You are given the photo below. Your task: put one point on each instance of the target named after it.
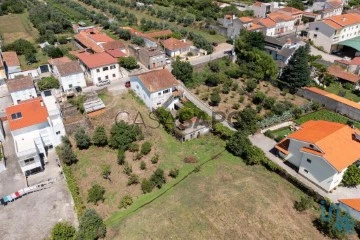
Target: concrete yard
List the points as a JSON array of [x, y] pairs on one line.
[[32, 216]]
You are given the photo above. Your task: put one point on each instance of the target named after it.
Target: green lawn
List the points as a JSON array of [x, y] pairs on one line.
[[326, 115], [40, 56], [336, 87], [281, 132]]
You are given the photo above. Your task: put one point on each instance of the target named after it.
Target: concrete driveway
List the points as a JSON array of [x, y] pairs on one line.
[[325, 56]]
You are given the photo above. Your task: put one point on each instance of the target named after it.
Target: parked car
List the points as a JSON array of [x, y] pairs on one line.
[[128, 84], [168, 61]]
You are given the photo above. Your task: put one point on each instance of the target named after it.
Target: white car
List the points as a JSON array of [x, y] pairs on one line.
[[168, 61]]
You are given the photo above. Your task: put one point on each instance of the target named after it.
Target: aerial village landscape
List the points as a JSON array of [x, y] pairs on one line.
[[179, 119]]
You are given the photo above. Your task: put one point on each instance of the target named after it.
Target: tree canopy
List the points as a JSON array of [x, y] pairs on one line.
[[122, 134], [48, 83], [182, 71], [91, 226], [62, 231]]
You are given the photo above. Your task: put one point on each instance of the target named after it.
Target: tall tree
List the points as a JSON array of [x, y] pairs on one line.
[[91, 226], [297, 73], [182, 71]]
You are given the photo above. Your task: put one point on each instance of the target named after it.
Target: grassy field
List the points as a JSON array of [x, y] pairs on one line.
[[281, 132], [327, 116], [225, 200], [16, 26], [336, 87]]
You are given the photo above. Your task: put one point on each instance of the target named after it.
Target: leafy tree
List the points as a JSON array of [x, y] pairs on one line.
[[165, 118], [252, 39], [128, 63], [106, 171], [155, 159], [127, 169], [67, 155], [142, 165], [146, 148], [215, 98], [259, 97], [251, 84], [91, 226], [99, 137], [133, 179], [48, 83], [351, 176], [124, 34], [158, 178], [304, 204], [296, 4], [185, 114], [62, 231], [238, 143], [133, 147], [222, 131], [30, 57], [82, 139], [212, 80], [138, 41], [297, 73], [121, 157], [147, 186], [174, 173], [96, 194], [53, 52], [123, 134], [20, 46], [183, 71], [247, 120], [269, 102], [125, 201], [214, 66]]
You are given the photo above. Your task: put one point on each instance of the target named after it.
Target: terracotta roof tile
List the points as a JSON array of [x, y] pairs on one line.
[[332, 24], [32, 111], [20, 83], [339, 72], [88, 43], [158, 34], [174, 44], [96, 60], [267, 22], [69, 68], [116, 53], [57, 61], [11, 59], [293, 11], [335, 140], [118, 44], [279, 17], [343, 20], [246, 19], [158, 80], [354, 203]]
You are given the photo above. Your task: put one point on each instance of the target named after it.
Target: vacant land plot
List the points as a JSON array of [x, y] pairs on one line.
[[225, 200], [17, 26]]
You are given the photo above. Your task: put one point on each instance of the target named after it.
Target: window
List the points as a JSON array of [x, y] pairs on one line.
[[29, 161], [159, 93], [112, 67], [58, 132], [105, 68], [106, 77], [99, 78], [316, 29], [166, 91], [158, 103], [97, 70], [70, 85], [16, 115], [137, 86], [306, 171], [114, 75], [308, 160], [311, 145], [315, 35]]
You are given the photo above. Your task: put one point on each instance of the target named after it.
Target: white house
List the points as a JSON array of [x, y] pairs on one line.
[[100, 68], [174, 47], [70, 75], [352, 206], [322, 151], [35, 126], [11, 63], [21, 88], [335, 32], [156, 88], [283, 23], [262, 9]]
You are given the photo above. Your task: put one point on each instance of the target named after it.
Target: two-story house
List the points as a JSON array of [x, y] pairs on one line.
[[261, 9], [322, 151], [333, 33], [283, 23], [36, 127], [99, 68], [21, 89], [292, 12], [70, 75], [157, 88], [150, 58], [92, 39], [11, 63]]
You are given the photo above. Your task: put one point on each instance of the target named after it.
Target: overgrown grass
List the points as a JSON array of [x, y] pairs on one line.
[[336, 87]]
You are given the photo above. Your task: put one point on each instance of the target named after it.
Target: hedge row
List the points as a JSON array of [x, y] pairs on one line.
[[74, 190]]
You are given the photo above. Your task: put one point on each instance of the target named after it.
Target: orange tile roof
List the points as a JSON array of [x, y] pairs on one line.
[[117, 44], [267, 22], [57, 61], [293, 11], [174, 44], [311, 151], [11, 59], [354, 203], [100, 37], [158, 34], [246, 19], [334, 97], [97, 59], [158, 80], [116, 53], [283, 146], [343, 20], [335, 140], [32, 111], [88, 43], [354, 61], [20, 83], [339, 72], [279, 17], [254, 26], [258, 4]]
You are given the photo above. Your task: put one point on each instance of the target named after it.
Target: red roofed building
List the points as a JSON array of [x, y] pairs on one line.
[[338, 72], [292, 12], [100, 68], [11, 63], [352, 65], [35, 126], [92, 39], [174, 47], [322, 151]]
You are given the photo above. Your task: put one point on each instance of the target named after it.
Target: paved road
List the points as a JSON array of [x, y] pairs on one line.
[[267, 145], [218, 53], [325, 56]]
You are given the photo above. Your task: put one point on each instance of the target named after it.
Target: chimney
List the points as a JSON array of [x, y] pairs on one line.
[[41, 102]]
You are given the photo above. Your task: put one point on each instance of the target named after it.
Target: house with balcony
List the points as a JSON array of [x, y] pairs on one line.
[[100, 68], [333, 33], [321, 151], [157, 88], [21, 89], [36, 126]]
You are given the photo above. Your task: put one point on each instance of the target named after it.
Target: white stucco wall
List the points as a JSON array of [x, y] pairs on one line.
[[71, 81], [95, 73], [22, 95]]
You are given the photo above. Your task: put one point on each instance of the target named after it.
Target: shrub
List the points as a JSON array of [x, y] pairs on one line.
[[252, 155], [138, 156], [123, 134], [190, 159], [62, 231], [99, 137], [133, 179], [128, 63], [125, 201], [91, 226], [215, 98], [155, 159], [351, 176], [222, 131], [269, 134], [236, 106], [147, 186], [146, 148], [66, 154], [82, 139], [106, 171], [158, 178], [212, 80], [133, 147], [305, 203], [142, 165], [242, 98], [251, 85], [53, 52], [259, 97], [185, 114], [121, 157], [48, 83], [138, 41], [238, 143], [174, 173], [127, 169], [96, 194]]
